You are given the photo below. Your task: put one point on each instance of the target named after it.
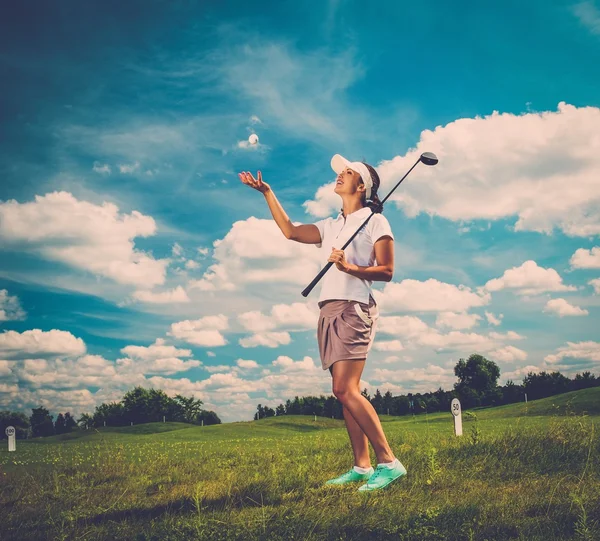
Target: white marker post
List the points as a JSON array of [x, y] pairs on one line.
[[456, 412], [12, 440]]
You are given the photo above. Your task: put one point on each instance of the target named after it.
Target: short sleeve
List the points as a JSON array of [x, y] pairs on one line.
[[380, 227], [321, 227]]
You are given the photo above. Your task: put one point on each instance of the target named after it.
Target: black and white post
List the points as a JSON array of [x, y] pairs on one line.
[[456, 413], [12, 439]]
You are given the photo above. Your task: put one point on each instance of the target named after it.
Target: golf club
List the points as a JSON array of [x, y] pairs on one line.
[[428, 158]]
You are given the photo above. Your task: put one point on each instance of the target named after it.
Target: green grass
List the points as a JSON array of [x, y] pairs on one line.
[[518, 472]]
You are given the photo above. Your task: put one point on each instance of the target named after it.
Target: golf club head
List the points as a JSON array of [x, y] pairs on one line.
[[429, 158]]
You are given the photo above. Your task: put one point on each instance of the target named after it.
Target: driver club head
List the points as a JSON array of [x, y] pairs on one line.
[[429, 158]]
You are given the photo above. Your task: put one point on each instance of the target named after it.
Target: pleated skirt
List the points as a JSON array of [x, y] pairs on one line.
[[345, 330]]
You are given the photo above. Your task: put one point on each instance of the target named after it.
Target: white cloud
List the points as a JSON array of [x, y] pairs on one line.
[[177, 294], [245, 363], [177, 250], [562, 308], [507, 354], [191, 264], [595, 283], [287, 364], [266, 339], [290, 317], [205, 331], [40, 343], [574, 357], [517, 375], [95, 238], [457, 320], [10, 307], [254, 252], [500, 166], [416, 379], [529, 279], [391, 345], [588, 15], [586, 259], [102, 168], [492, 319], [128, 168], [428, 296]]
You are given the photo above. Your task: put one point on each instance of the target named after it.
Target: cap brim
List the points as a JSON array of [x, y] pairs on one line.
[[339, 163]]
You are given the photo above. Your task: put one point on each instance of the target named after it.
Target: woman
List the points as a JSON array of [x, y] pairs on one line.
[[346, 327]]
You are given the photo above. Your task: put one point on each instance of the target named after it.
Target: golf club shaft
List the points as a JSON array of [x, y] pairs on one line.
[[318, 277]]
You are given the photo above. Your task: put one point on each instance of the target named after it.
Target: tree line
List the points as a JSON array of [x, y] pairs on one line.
[[477, 386], [137, 406]]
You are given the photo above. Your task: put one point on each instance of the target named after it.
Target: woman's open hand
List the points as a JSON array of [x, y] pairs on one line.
[[256, 183]]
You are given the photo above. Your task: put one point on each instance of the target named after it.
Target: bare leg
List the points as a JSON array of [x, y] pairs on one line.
[[346, 387], [358, 439]]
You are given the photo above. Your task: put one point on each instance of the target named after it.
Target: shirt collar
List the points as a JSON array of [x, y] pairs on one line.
[[360, 213]]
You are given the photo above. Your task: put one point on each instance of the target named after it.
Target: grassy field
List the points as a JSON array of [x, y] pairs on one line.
[[518, 472]]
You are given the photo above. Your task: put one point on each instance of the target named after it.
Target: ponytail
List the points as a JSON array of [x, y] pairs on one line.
[[374, 202]]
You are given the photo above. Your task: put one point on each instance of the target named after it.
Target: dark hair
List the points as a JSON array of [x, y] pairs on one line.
[[373, 203]]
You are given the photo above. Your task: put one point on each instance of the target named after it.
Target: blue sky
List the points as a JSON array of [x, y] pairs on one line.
[[131, 254]]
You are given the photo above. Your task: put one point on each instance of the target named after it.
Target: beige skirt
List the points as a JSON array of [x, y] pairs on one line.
[[346, 330]]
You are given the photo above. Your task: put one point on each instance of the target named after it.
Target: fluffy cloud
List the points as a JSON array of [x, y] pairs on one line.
[[94, 238], [573, 358], [205, 331], [499, 166], [177, 294], [10, 307], [416, 379], [297, 316], [529, 279], [428, 296], [507, 354], [586, 259], [157, 358], [457, 321], [492, 319], [266, 339], [256, 252], [595, 283], [562, 308], [40, 343]]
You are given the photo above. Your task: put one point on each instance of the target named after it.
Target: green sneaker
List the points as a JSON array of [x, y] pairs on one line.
[[350, 477], [383, 477]]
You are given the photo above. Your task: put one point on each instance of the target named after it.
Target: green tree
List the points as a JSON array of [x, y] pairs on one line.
[[18, 420], [59, 424], [41, 422], [477, 373], [70, 423]]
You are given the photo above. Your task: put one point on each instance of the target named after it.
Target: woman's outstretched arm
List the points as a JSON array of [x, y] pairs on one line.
[[306, 233]]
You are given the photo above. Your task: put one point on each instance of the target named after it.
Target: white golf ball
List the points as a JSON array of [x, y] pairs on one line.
[[253, 139]]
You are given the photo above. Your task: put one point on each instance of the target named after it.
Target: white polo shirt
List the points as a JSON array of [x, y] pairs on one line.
[[334, 233]]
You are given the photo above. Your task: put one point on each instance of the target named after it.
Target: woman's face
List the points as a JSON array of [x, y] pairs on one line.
[[348, 183]]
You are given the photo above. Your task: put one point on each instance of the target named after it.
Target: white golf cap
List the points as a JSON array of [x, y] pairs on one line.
[[339, 163]]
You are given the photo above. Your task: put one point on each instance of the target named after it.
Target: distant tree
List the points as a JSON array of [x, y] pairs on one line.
[[190, 407], [366, 394], [544, 384], [209, 418], [377, 402], [113, 414], [59, 424], [41, 422], [136, 405], [477, 373], [387, 402], [280, 410], [18, 420], [511, 393], [70, 423], [85, 421], [583, 381]]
